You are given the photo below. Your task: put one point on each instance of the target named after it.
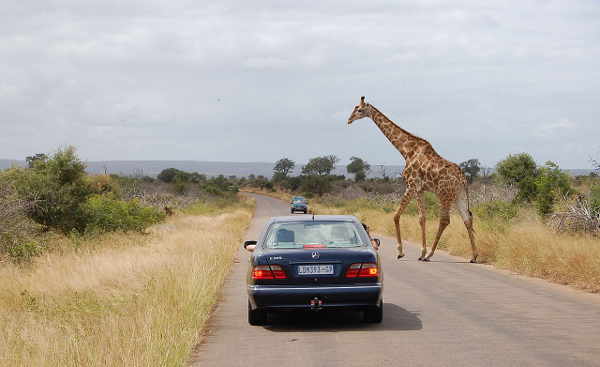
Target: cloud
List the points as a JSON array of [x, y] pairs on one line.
[[235, 80], [556, 129]]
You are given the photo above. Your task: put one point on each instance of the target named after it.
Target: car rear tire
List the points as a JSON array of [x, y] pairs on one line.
[[306, 211], [375, 314], [292, 211], [256, 317]]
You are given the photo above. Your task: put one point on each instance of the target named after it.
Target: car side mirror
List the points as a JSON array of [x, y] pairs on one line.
[[376, 243], [250, 246]]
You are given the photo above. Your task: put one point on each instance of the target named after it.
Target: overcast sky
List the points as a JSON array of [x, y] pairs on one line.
[[260, 80]]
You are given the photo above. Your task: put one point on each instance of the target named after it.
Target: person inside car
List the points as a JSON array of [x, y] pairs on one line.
[[374, 242]]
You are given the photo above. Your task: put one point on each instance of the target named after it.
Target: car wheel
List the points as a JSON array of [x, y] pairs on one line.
[[306, 211], [256, 317], [375, 314], [292, 211]]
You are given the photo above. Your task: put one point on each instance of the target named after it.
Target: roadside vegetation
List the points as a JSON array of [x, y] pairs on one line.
[[532, 219], [53, 203], [107, 270]]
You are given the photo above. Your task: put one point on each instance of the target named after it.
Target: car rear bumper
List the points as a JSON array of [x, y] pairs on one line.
[[275, 297]]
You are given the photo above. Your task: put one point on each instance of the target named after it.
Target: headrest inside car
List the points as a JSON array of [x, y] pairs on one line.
[[284, 235]]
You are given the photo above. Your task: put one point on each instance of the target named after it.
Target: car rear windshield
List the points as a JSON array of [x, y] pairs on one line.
[[329, 234]]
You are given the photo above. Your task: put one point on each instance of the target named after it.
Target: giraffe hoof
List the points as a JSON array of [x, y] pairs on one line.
[[473, 261], [425, 259], [421, 258], [400, 256]]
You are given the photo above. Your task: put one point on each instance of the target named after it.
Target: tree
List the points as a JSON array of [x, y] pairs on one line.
[[471, 169], [282, 168], [550, 183], [56, 190], [168, 174], [359, 168], [320, 166], [32, 160], [519, 170]]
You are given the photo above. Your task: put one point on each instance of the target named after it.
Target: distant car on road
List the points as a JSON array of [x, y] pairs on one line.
[[299, 204], [314, 263]]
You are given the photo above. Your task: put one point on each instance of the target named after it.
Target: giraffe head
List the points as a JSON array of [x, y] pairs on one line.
[[360, 111]]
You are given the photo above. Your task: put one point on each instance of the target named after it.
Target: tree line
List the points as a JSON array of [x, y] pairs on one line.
[[538, 185]]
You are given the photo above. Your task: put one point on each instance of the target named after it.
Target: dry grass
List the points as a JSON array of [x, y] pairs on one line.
[[526, 246], [138, 302]]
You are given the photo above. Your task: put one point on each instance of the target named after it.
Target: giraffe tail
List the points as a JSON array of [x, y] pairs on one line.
[[469, 207]]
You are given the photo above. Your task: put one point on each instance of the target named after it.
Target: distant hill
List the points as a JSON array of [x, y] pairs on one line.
[[240, 169]]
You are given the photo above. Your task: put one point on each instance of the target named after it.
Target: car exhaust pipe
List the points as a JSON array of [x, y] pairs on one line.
[[316, 304]]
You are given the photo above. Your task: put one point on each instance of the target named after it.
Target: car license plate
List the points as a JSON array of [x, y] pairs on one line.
[[315, 269]]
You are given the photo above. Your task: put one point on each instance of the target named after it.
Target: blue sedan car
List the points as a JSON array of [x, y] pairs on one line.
[[314, 263], [299, 204]]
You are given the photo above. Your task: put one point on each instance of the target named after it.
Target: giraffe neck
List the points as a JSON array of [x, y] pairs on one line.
[[405, 142]]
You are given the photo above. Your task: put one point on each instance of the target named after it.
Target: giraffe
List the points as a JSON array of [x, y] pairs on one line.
[[425, 170]]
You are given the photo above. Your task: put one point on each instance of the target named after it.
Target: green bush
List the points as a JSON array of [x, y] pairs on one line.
[[19, 249], [496, 210], [56, 187], [316, 185], [432, 205], [519, 170], [104, 213], [180, 187], [550, 184]]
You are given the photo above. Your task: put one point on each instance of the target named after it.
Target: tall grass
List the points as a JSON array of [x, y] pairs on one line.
[[138, 301], [523, 244]]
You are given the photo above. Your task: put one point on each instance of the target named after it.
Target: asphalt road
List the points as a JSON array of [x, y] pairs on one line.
[[443, 313]]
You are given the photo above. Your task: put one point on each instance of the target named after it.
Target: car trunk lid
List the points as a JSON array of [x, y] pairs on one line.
[[317, 265]]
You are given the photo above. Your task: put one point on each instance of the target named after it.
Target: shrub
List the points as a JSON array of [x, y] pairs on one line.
[[519, 170], [104, 213], [21, 250], [495, 210], [180, 187], [102, 184], [16, 229], [55, 188], [314, 184], [431, 202], [550, 184]]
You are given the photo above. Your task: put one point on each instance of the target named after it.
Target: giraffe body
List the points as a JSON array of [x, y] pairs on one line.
[[425, 170]]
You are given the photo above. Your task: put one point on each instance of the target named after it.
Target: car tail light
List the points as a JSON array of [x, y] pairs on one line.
[[268, 272], [362, 270], [368, 270], [353, 270], [278, 272]]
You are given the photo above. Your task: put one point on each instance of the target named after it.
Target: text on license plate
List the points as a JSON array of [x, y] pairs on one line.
[[315, 269]]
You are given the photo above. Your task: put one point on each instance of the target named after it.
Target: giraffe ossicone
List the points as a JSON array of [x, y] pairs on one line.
[[425, 170]]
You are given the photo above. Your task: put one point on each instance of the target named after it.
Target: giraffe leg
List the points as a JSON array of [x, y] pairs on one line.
[[467, 216], [444, 221], [403, 203], [422, 220]]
